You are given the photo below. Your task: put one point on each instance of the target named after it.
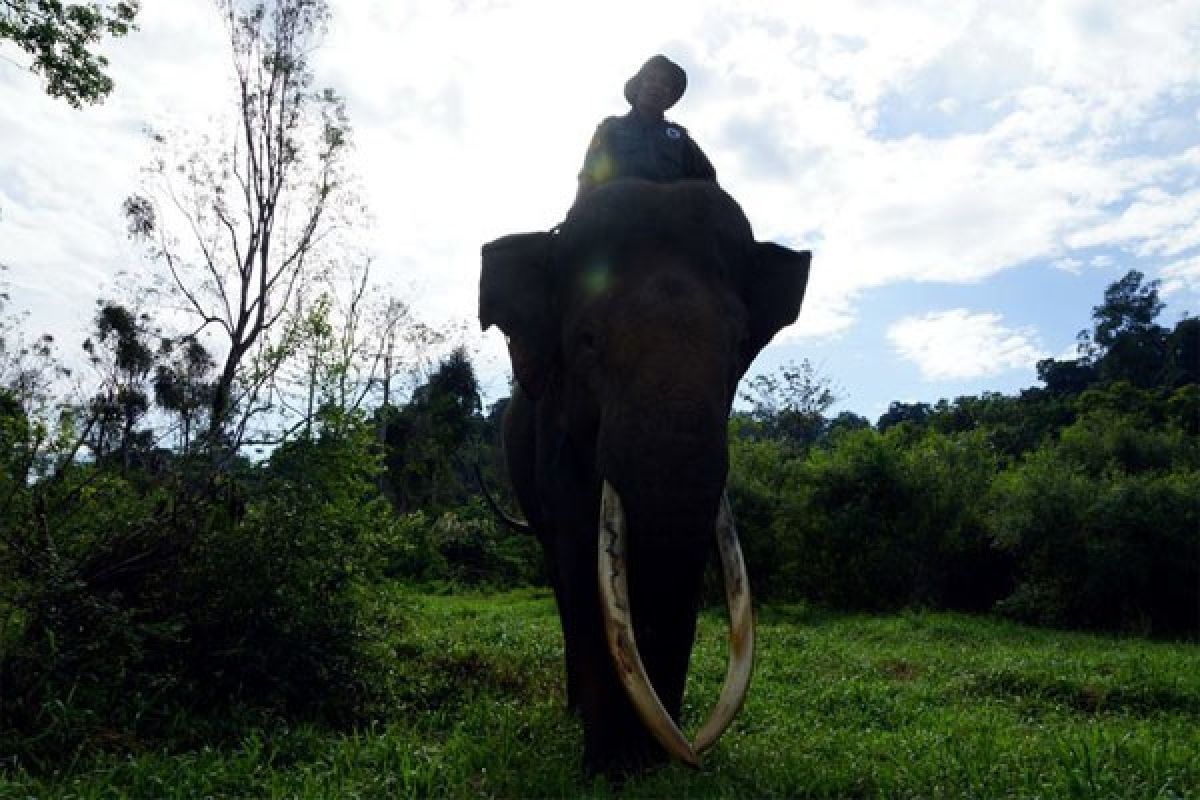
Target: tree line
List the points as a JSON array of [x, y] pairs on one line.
[[1069, 504]]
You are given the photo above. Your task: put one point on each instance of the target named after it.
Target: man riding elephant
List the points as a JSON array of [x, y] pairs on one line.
[[629, 326], [643, 143]]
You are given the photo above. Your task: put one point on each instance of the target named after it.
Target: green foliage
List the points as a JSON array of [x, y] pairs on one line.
[[433, 440], [1092, 523], [1129, 308], [182, 386], [129, 599], [886, 520], [758, 469], [1012, 425], [287, 632], [1072, 505], [1104, 523], [62, 38], [124, 355], [1127, 345], [899, 413], [465, 547]]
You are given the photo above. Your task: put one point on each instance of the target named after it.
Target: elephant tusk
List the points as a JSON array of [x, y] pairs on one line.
[[618, 627], [741, 631]]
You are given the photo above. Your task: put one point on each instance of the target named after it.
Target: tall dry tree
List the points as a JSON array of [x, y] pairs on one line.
[[242, 221]]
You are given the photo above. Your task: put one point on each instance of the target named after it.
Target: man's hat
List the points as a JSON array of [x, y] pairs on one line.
[[676, 73]]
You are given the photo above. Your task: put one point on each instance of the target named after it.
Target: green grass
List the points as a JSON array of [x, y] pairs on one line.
[[911, 705]]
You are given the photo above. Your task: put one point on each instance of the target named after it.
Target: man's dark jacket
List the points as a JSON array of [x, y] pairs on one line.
[[634, 147]]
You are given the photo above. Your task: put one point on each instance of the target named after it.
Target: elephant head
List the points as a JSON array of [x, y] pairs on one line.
[[629, 328]]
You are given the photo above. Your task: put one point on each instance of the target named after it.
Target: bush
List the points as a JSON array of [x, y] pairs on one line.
[[125, 601], [1105, 528], [757, 470], [464, 547], [287, 630], [873, 521]]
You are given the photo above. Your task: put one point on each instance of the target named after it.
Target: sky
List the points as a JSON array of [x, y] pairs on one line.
[[969, 176]]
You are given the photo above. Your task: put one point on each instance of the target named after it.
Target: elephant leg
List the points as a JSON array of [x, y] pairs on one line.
[[520, 454], [665, 587], [567, 620], [615, 740]]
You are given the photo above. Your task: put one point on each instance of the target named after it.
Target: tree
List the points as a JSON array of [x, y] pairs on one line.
[[426, 439], [1128, 307], [241, 226], [1066, 377], [62, 39], [348, 346], [1183, 354], [29, 368], [126, 359], [1125, 344], [898, 412], [844, 422], [792, 404], [182, 385]]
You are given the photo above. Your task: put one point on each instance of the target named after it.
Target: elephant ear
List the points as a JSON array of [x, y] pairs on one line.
[[773, 292], [514, 294]]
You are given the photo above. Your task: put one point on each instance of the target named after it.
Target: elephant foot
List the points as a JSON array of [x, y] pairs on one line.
[[618, 758], [617, 769]]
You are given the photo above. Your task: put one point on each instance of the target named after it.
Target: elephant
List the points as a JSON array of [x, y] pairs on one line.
[[629, 327]]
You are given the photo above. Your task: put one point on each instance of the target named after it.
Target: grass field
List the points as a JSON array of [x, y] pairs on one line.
[[911, 705]]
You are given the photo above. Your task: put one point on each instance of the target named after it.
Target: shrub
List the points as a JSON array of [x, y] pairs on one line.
[[1105, 528], [885, 520], [464, 547], [757, 469], [127, 600]]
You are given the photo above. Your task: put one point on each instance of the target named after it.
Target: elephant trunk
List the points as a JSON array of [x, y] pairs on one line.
[[615, 567], [669, 469], [662, 504]]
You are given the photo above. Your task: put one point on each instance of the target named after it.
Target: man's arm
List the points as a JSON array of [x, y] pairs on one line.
[[597, 163], [699, 168]]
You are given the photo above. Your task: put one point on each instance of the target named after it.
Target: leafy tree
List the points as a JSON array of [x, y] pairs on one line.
[[844, 422], [884, 520], [1013, 425], [1183, 354], [240, 229], [29, 368], [1130, 307], [62, 38], [1066, 378], [121, 349], [792, 404], [1125, 343], [898, 412], [430, 441], [183, 386]]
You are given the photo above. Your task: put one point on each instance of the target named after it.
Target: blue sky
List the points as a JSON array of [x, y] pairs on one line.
[[970, 176]]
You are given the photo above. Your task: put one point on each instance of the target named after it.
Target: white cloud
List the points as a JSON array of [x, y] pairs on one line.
[[1181, 276], [954, 344], [471, 120], [1156, 222], [1071, 265]]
